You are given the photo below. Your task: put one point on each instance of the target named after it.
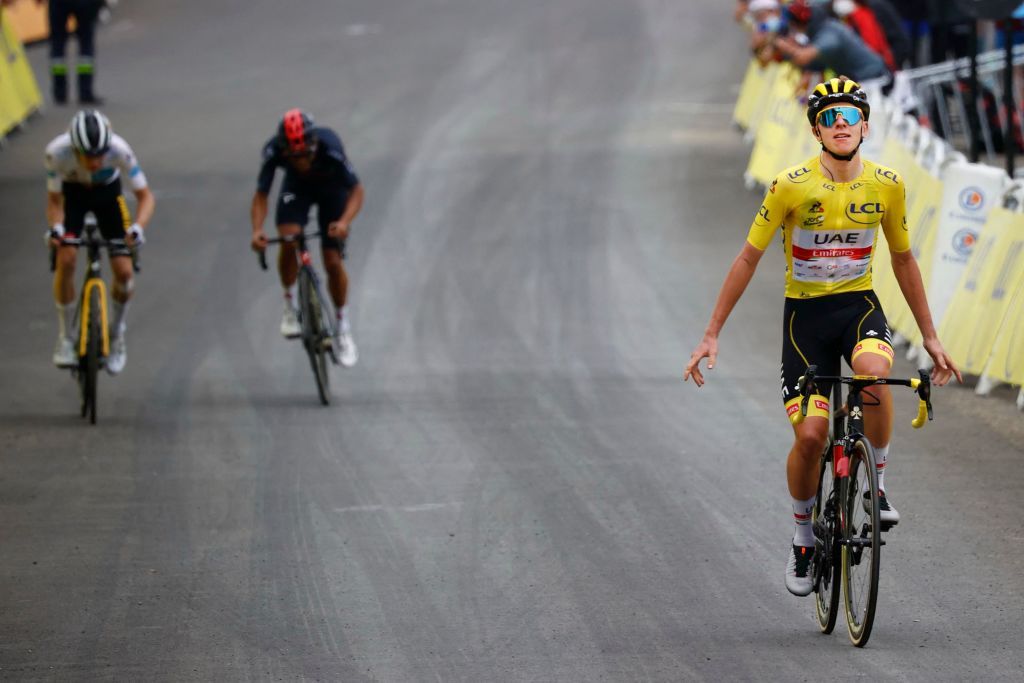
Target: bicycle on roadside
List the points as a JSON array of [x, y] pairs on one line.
[[316, 322], [92, 319], [845, 519]]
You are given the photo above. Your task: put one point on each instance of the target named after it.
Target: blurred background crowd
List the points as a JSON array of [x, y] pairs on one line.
[[908, 49]]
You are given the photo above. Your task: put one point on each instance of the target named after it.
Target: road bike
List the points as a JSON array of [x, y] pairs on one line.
[[92, 318], [314, 315], [847, 528]]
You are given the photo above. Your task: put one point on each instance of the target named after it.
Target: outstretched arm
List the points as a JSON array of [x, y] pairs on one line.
[[908, 275], [735, 284]]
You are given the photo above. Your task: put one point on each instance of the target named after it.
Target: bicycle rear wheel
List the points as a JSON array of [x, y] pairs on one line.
[[861, 542], [826, 554], [313, 335]]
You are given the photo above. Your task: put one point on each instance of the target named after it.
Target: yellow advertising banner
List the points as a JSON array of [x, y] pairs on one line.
[[980, 302], [19, 93], [1002, 328], [775, 146], [750, 94]]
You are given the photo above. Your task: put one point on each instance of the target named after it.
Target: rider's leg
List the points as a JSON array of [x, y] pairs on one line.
[[878, 406], [64, 288], [121, 292], [287, 262], [337, 277], [802, 473]]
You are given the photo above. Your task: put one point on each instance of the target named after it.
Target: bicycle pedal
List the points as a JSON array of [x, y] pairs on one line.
[[886, 526]]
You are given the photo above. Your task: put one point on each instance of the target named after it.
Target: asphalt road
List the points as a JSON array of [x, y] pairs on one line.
[[514, 483]]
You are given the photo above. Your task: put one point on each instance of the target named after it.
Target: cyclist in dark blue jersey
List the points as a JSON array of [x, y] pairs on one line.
[[317, 172]]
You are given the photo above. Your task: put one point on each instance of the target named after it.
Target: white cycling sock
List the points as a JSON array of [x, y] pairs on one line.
[[120, 310], [804, 533], [342, 314], [289, 298], [65, 319], [881, 457]]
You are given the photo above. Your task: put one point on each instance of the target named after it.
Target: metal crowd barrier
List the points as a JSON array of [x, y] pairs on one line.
[[940, 91]]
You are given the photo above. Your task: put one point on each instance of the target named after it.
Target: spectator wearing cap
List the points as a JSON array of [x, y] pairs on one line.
[[766, 20], [831, 45]]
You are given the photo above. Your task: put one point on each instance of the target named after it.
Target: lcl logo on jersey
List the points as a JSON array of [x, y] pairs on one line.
[[971, 198], [762, 216], [887, 177], [868, 213], [800, 175]]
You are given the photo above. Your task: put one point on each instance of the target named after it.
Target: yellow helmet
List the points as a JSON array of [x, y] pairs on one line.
[[833, 91]]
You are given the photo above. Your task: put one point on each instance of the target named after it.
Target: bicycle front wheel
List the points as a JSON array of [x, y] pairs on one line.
[[90, 363], [861, 542], [314, 335], [826, 553]]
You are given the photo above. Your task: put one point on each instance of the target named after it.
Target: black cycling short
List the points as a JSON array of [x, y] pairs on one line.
[[105, 202], [822, 330], [295, 200]]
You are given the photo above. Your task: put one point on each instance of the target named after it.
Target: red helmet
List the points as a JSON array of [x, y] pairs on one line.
[[296, 134]]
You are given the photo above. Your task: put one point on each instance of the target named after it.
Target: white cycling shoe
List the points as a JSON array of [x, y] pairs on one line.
[[798, 570], [64, 354], [348, 354], [887, 514], [290, 327], [118, 355]]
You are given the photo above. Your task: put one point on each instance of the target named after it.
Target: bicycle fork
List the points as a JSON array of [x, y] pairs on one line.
[[848, 537]]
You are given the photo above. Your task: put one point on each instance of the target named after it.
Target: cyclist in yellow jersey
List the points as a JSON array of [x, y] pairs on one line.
[[830, 210]]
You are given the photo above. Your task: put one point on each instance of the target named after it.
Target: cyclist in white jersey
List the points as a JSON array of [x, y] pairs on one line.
[[84, 168]]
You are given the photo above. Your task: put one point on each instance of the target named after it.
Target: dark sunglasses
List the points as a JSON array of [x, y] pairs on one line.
[[828, 118]]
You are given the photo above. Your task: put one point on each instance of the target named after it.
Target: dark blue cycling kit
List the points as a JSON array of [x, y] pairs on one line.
[[328, 184]]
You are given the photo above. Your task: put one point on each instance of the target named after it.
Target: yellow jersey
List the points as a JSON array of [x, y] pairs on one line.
[[830, 229]]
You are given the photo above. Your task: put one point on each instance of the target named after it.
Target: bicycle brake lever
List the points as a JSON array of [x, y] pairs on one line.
[[924, 406], [263, 258]]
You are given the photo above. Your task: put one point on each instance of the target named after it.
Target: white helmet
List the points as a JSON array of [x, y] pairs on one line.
[[90, 133]]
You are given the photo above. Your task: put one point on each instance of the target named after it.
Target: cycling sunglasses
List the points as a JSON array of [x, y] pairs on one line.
[[852, 116]]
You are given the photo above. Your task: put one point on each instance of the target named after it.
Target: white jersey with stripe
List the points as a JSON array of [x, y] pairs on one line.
[[62, 165]]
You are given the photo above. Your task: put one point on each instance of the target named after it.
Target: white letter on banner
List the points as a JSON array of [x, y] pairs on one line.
[[969, 192]]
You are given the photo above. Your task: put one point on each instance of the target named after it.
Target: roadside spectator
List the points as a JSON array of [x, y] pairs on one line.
[[895, 32], [831, 45], [766, 19], [85, 13], [740, 12], [861, 19]]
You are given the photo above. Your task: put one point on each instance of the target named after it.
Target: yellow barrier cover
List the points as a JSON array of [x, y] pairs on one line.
[[1007, 360], [981, 300], [19, 93]]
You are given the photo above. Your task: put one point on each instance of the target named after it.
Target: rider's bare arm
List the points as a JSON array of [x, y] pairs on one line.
[[258, 214], [146, 206], [908, 275], [736, 281], [354, 204], [54, 208]]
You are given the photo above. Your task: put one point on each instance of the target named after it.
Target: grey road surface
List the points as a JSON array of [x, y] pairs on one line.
[[514, 484]]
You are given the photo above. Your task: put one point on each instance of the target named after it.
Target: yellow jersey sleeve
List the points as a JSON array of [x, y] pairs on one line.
[[894, 221], [771, 214]]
